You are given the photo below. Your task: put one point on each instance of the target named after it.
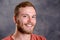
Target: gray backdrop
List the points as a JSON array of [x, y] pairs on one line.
[[48, 18]]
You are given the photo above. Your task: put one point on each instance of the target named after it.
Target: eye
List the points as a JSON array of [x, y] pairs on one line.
[[33, 16], [24, 16]]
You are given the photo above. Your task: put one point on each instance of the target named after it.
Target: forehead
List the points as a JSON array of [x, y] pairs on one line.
[[27, 10]]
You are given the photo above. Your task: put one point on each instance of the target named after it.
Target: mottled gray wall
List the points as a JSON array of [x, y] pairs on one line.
[[48, 18]]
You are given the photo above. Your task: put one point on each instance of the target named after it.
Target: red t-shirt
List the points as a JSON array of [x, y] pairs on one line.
[[33, 37]]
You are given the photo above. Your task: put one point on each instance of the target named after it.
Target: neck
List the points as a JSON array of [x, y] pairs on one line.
[[19, 36]]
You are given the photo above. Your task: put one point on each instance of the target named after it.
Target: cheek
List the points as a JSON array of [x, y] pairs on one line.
[[34, 21], [23, 21]]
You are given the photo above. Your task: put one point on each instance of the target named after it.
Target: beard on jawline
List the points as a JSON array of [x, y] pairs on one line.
[[20, 29]]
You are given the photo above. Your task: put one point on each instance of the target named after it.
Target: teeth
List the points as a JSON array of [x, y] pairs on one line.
[[29, 25]]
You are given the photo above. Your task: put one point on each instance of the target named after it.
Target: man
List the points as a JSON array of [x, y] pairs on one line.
[[25, 20]]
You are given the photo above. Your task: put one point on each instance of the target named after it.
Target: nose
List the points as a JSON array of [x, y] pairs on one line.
[[29, 19]]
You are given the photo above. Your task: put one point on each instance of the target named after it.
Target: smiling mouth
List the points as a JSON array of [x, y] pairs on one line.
[[29, 25]]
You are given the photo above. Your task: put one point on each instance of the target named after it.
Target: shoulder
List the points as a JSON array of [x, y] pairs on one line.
[[38, 37], [7, 38]]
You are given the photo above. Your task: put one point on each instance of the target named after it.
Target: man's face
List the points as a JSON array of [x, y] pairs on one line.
[[26, 19]]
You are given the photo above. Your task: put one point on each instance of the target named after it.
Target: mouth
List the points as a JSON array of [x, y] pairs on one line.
[[29, 25]]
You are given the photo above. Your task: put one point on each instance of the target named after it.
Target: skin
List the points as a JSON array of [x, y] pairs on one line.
[[25, 23]]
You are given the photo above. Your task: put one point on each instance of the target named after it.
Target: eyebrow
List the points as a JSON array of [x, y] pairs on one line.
[[24, 14]]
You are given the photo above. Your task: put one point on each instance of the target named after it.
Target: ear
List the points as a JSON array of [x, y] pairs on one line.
[[14, 19]]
